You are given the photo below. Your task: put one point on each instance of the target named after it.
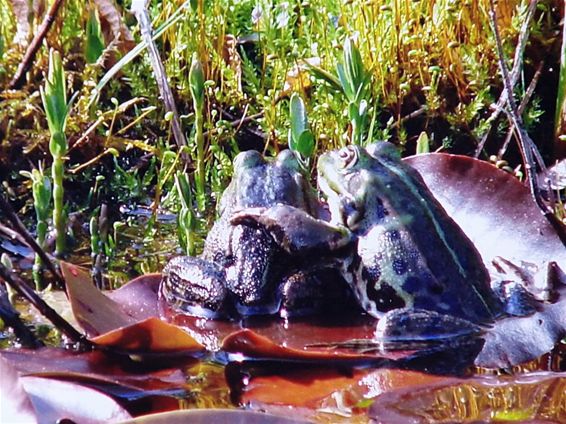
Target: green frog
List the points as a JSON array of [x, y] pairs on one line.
[[244, 270], [406, 252]]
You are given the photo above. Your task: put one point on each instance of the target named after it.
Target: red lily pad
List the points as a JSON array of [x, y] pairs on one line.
[[492, 207]]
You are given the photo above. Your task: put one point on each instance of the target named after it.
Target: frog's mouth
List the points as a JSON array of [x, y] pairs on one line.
[[344, 208]]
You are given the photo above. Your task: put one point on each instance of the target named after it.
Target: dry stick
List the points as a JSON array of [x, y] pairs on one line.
[[159, 72], [34, 46], [526, 144], [526, 99], [20, 228], [57, 320], [515, 72]]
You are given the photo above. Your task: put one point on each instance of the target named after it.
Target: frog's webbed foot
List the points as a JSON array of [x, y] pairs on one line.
[[317, 291], [294, 230], [523, 288], [408, 328], [195, 286]]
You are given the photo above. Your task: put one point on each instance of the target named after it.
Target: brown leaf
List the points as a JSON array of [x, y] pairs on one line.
[[95, 312], [151, 335], [307, 392], [138, 298], [113, 27], [24, 11]]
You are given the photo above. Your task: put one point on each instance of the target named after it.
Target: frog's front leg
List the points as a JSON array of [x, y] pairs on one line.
[[195, 286], [294, 230]]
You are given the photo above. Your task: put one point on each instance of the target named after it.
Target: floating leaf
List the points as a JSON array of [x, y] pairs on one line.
[[151, 335], [493, 208], [96, 313], [16, 404]]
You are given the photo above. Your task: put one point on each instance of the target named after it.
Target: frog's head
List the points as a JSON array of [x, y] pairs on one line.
[[349, 178]]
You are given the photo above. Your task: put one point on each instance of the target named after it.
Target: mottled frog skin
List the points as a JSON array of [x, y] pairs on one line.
[[411, 254], [243, 266]]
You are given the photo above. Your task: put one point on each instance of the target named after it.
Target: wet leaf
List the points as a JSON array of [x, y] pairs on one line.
[[96, 313], [516, 340], [253, 345], [493, 208], [150, 335], [55, 400], [317, 392], [206, 416], [15, 406], [138, 298]]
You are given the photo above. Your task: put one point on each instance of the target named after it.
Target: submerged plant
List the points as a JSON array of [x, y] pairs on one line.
[[54, 97]]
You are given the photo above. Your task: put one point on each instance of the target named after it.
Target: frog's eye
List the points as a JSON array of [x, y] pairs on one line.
[[348, 156]]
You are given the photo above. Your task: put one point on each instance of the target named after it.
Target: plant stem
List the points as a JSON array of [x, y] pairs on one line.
[[57, 174], [9, 212], [200, 177]]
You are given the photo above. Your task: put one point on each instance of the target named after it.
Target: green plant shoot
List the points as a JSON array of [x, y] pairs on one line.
[[186, 221], [41, 191], [423, 143], [196, 82], [54, 98], [354, 81], [94, 44], [301, 139]]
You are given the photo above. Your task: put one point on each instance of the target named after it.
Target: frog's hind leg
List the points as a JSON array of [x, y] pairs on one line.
[[194, 286], [403, 328]]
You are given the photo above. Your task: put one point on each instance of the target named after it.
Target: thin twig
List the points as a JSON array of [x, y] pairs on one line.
[[19, 227], [526, 99], [526, 144], [515, 72], [25, 64], [140, 11], [47, 311]]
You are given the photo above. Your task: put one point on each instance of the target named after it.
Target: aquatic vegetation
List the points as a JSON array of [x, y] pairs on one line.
[[41, 191], [54, 98]]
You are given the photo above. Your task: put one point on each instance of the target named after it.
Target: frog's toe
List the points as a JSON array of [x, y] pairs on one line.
[[194, 286], [419, 325], [517, 300]]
